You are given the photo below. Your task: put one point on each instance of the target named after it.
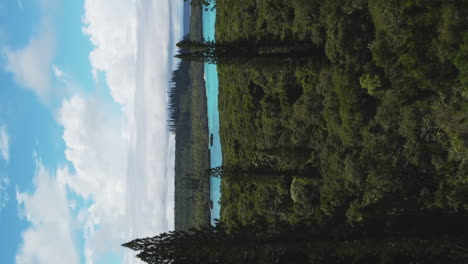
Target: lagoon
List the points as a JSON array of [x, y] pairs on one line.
[[211, 83]]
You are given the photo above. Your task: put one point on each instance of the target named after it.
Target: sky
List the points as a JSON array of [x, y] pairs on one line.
[[86, 159]]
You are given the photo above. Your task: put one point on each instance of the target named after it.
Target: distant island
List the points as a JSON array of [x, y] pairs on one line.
[[188, 120]]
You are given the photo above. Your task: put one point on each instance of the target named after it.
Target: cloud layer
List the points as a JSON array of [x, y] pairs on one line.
[[125, 165], [122, 157], [96, 147]]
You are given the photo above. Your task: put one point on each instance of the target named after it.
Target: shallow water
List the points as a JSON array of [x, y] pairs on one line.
[[211, 81]]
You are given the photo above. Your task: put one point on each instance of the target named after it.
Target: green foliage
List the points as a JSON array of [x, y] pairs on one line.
[[370, 83], [260, 242], [378, 119], [461, 62], [366, 139]]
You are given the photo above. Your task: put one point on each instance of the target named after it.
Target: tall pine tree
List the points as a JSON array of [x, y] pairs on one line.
[[243, 51]]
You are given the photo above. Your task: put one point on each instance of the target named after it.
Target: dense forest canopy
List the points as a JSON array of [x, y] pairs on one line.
[[379, 122], [382, 117]]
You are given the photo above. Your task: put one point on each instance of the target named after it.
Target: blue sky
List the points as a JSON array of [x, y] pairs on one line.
[[86, 161]]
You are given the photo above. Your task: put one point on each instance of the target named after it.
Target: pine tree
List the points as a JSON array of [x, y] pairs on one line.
[[242, 244], [243, 51], [330, 242]]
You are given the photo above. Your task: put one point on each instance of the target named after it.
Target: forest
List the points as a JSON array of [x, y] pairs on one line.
[[380, 120], [353, 143]]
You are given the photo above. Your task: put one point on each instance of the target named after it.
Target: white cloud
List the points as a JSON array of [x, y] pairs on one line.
[[49, 239], [4, 197], [31, 66], [125, 165], [127, 201], [20, 4], [96, 147], [123, 162], [111, 27], [159, 26], [4, 143]]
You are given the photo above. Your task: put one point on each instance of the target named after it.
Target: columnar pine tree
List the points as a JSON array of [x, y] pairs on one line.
[[209, 245], [242, 51], [282, 243]]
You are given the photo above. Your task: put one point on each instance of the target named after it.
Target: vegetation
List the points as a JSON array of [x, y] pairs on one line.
[[241, 51], [379, 121], [263, 243]]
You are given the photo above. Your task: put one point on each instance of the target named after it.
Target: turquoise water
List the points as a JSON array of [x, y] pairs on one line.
[[211, 82]]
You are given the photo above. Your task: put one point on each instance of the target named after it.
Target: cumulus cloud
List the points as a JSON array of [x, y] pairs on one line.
[[111, 27], [159, 25], [124, 162], [31, 66], [49, 239], [96, 148], [4, 197], [130, 192], [4, 143]]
